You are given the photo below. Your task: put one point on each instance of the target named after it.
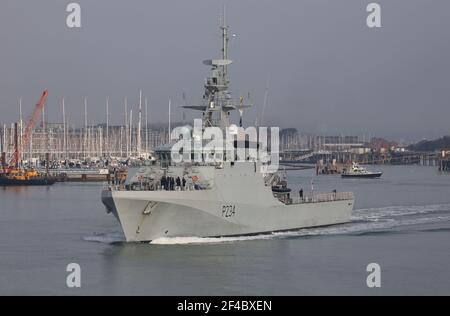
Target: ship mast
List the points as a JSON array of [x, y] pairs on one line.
[[225, 40], [139, 125], [217, 100]]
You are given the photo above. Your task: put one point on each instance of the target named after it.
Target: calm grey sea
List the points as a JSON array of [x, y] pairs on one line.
[[401, 222]]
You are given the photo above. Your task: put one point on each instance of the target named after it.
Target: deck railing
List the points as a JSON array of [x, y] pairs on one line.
[[147, 187], [321, 197]]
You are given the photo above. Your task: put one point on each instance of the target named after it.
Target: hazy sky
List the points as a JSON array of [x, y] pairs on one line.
[[328, 72]]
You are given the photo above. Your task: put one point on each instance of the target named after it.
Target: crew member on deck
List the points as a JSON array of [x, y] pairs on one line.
[[178, 181], [183, 181]]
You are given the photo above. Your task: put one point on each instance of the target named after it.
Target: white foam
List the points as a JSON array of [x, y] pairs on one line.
[[373, 214], [352, 228], [205, 240]]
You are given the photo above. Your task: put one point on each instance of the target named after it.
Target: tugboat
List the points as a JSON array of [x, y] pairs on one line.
[[356, 171], [18, 177]]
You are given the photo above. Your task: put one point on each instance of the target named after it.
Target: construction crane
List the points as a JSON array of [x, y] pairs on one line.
[[13, 163]]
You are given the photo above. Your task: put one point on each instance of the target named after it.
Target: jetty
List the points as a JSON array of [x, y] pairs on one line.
[[444, 161]]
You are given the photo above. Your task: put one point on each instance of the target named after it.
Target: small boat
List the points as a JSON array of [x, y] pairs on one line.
[[20, 177], [356, 171]]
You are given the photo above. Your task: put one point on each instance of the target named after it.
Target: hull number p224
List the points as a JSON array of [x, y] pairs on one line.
[[228, 210]]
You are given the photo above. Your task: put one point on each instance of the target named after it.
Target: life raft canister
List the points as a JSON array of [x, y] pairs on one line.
[[280, 189]]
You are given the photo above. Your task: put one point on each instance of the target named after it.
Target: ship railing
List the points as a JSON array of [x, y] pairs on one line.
[[147, 187], [321, 197]]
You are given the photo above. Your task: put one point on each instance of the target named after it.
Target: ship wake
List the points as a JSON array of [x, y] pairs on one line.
[[381, 220]]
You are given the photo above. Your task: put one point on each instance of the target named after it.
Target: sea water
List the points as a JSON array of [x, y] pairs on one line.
[[401, 222]]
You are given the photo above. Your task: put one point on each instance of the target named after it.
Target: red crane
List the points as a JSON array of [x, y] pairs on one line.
[[28, 129]]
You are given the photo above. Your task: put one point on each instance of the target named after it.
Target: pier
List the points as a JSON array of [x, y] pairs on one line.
[[444, 161], [334, 162], [84, 176], [445, 165]]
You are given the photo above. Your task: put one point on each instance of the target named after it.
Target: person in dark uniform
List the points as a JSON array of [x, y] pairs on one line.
[[163, 183], [178, 182], [183, 181], [301, 194]]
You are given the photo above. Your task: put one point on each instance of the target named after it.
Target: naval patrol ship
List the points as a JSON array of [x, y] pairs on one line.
[[230, 198]]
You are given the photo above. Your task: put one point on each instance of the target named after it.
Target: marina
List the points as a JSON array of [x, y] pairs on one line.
[[77, 153]]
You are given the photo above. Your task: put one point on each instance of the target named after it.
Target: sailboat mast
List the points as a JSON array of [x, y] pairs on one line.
[[85, 141], [139, 125], [20, 129], [64, 129], [146, 126], [107, 127], [131, 131], [43, 142], [126, 127]]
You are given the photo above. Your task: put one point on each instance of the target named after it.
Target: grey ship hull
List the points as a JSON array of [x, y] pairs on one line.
[[238, 204]]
